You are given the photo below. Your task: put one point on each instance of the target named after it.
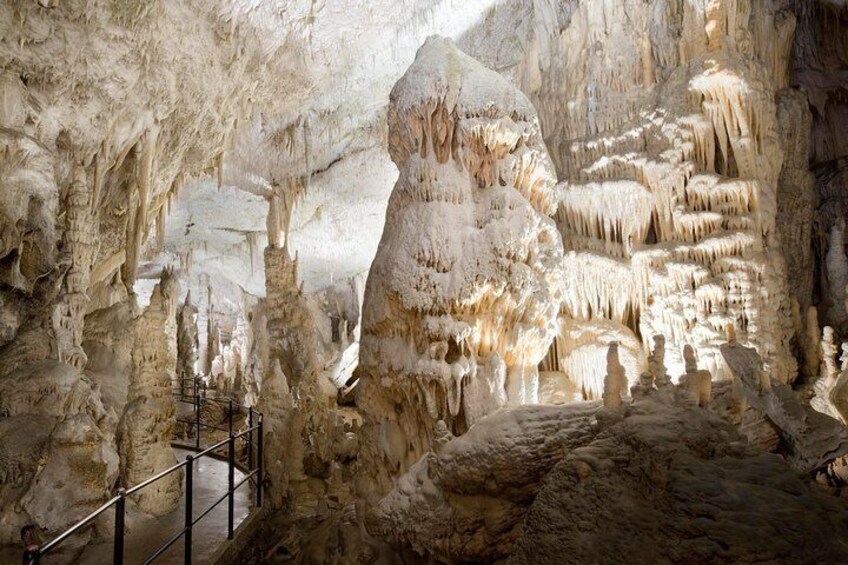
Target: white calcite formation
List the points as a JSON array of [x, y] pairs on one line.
[[105, 110], [292, 365], [147, 425], [662, 121], [462, 298], [283, 457]]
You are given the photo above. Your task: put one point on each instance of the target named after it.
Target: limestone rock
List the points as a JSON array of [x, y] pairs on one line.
[[662, 122], [810, 438], [57, 453], [188, 344], [466, 503], [663, 486]]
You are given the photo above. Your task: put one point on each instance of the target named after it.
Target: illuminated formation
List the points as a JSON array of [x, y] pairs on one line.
[[670, 159]]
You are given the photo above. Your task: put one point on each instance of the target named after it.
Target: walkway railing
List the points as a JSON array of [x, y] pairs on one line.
[[253, 470]]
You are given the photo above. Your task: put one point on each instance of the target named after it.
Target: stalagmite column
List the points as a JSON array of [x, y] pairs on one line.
[[615, 380], [656, 362], [283, 447], [812, 344], [292, 356], [147, 426], [837, 274], [462, 298], [69, 314], [187, 343], [829, 370], [824, 385], [796, 206], [697, 383]]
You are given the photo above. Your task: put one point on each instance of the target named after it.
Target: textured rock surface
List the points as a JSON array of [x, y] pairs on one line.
[[465, 502], [463, 294], [188, 343], [676, 484], [57, 449], [702, 153], [657, 478]]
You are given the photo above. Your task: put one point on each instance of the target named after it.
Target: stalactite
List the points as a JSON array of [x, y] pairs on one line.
[[669, 207]]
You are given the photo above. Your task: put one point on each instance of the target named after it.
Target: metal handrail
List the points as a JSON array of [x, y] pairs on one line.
[[79, 525], [119, 501]]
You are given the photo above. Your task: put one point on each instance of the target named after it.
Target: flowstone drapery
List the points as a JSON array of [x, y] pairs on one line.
[[668, 138]]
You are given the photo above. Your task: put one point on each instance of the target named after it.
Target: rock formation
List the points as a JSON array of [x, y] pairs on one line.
[[292, 360], [637, 358], [615, 380], [147, 425], [521, 483], [820, 65], [665, 134], [283, 429], [52, 426], [188, 343], [465, 502], [79, 241], [462, 298], [697, 383], [680, 495]]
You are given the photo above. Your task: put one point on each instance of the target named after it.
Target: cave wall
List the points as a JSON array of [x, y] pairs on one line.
[[106, 108]]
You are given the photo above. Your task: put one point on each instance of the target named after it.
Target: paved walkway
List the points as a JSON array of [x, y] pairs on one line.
[[146, 534]]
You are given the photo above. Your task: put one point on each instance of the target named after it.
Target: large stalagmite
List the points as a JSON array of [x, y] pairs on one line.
[[147, 426], [462, 298]]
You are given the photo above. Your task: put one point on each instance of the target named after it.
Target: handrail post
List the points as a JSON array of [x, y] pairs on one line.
[[250, 439], [231, 485], [197, 403], [230, 417], [120, 513], [259, 464], [189, 511]]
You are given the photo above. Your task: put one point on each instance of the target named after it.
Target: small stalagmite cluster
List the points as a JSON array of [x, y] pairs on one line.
[[462, 298]]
